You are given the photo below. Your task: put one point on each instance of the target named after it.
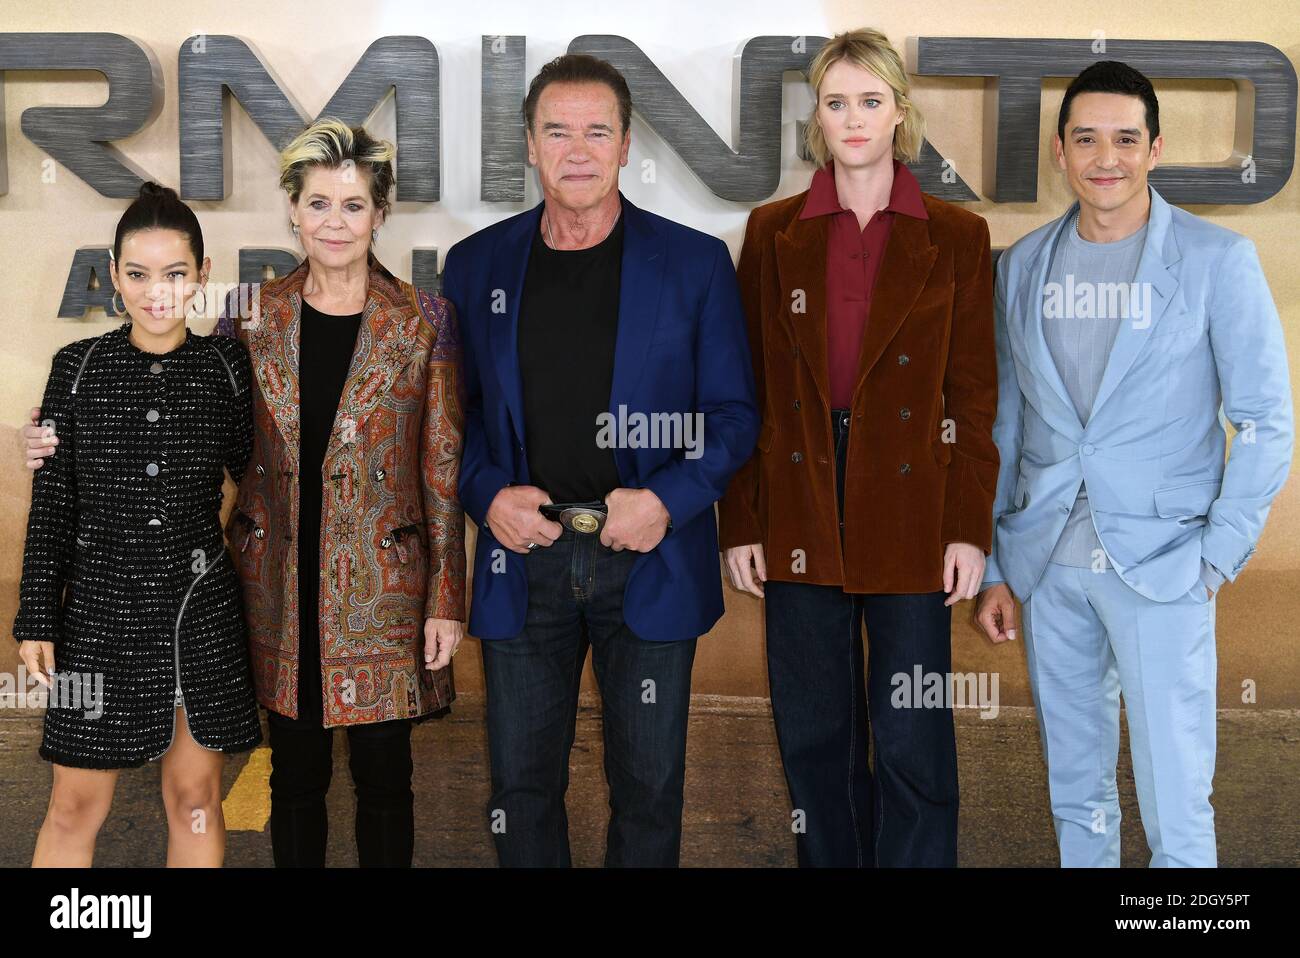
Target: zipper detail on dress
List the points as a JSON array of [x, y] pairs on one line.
[[176, 638], [233, 385], [82, 368]]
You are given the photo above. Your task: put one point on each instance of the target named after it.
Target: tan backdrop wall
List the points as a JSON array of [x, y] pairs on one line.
[[48, 212]]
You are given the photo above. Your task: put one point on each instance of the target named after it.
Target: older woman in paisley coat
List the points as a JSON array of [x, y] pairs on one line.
[[347, 532]]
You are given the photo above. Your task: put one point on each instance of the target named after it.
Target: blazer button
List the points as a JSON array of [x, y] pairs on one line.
[[796, 457], [379, 475], [796, 404], [905, 413], [259, 470], [151, 469], [905, 468], [903, 360], [259, 533], [151, 415], [386, 541]]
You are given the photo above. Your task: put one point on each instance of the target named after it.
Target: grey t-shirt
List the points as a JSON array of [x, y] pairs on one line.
[[1081, 317]]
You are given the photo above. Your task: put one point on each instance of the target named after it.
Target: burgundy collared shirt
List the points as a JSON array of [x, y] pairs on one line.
[[852, 260]]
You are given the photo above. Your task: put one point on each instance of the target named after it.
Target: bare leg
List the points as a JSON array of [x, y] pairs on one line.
[[191, 786], [79, 803]]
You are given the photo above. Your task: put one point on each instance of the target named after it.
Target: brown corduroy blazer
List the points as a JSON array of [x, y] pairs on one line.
[[922, 466]]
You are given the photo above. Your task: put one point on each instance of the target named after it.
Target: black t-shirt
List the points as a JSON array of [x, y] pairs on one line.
[[324, 356], [568, 325]]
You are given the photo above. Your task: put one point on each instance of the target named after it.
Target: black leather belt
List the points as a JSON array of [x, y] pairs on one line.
[[585, 517]]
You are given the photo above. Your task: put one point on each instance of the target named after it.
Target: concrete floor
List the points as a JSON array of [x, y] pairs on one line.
[[737, 810]]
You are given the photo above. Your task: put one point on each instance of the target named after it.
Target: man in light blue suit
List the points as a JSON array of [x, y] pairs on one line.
[[1121, 328]]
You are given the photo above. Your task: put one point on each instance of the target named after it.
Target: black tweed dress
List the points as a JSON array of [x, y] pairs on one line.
[[126, 568]]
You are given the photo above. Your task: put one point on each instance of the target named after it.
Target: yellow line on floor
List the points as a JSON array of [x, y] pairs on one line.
[[248, 806]]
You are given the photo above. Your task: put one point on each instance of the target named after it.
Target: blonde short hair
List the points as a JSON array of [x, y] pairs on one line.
[[331, 143], [871, 50]]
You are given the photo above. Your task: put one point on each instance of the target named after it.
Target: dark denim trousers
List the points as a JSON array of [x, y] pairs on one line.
[[575, 599], [903, 810]]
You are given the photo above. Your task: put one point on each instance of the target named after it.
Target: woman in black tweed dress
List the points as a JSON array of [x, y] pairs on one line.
[[130, 609]]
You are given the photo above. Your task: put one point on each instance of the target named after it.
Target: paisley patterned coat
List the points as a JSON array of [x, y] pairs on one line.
[[392, 531]]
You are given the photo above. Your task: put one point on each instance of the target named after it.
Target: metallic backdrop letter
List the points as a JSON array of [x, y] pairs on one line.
[[1267, 138], [79, 137], [408, 65]]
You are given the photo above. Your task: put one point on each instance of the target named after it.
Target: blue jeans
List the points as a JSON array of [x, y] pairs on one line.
[[575, 599], [905, 813]]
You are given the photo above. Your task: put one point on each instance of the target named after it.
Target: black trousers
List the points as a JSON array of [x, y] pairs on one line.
[[302, 763]]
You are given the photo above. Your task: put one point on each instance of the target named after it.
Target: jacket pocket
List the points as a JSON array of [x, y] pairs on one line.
[[404, 541], [242, 529], [1188, 499], [1020, 498]]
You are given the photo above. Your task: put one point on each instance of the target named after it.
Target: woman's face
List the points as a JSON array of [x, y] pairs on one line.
[[858, 113], [158, 279], [335, 215]]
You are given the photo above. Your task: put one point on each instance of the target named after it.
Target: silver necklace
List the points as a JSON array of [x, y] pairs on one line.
[[551, 239]]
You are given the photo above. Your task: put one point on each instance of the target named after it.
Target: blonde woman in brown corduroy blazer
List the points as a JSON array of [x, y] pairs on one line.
[[904, 436]]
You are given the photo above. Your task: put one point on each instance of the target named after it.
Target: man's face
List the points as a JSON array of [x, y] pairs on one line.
[[576, 143], [1107, 152]]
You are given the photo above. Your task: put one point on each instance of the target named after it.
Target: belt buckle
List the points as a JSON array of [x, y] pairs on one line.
[[582, 520]]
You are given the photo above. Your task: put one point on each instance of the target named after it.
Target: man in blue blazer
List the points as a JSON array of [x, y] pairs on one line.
[[1121, 328], [610, 399]]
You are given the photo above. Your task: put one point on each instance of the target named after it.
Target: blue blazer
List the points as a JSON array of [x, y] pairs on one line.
[[1152, 452], [681, 347]]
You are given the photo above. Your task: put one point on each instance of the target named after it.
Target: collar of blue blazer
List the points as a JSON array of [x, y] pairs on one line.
[[638, 303]]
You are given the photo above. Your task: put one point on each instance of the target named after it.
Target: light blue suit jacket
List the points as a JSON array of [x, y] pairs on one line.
[[1152, 452]]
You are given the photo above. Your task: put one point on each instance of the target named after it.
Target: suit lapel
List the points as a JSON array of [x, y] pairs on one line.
[[509, 267], [273, 350], [640, 282], [801, 267], [1032, 309], [385, 344], [902, 274], [1159, 253]]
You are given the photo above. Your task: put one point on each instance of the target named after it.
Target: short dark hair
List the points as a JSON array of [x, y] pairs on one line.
[[579, 68], [159, 208], [1112, 76]]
